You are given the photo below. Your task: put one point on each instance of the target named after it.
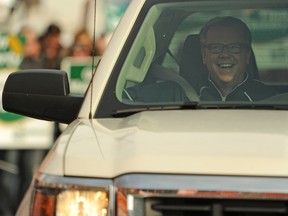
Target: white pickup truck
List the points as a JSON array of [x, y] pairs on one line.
[[142, 142]]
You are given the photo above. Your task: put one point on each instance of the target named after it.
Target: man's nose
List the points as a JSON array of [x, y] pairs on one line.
[[225, 53], [225, 50]]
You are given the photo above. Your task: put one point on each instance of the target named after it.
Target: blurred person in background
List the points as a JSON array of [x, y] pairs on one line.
[[82, 45], [29, 160], [44, 52], [32, 49], [52, 53], [101, 43], [51, 48]]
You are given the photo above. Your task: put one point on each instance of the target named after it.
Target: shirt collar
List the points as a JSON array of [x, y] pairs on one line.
[[235, 87]]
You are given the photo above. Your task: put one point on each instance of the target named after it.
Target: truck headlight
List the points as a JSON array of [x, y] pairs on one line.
[[76, 202], [63, 199]]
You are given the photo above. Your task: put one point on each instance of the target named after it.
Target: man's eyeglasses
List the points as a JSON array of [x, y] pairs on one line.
[[232, 48]]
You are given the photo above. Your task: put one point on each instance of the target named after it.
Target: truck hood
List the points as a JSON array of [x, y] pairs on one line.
[[217, 142]]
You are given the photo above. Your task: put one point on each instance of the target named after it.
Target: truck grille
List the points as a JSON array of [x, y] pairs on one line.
[[176, 206], [159, 195]]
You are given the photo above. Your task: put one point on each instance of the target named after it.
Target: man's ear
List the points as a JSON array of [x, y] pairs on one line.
[[203, 54]]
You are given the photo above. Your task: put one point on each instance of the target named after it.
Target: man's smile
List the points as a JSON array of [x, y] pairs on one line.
[[225, 65]]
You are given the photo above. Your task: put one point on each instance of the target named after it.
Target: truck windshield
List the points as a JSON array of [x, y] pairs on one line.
[[208, 52]]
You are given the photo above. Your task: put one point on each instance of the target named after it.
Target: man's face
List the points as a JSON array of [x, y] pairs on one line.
[[225, 67]]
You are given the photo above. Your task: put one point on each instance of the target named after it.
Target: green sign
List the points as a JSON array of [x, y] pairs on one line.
[[11, 50], [9, 117], [80, 71], [11, 56]]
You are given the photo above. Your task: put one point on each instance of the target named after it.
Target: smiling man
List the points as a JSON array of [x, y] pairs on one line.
[[226, 51]]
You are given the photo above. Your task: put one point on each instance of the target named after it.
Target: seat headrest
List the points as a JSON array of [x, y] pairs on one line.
[[191, 64]]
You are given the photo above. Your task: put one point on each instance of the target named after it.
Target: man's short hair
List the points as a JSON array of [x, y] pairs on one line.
[[227, 21]]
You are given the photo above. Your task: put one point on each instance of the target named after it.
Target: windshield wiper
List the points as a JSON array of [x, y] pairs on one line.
[[136, 109], [130, 110]]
